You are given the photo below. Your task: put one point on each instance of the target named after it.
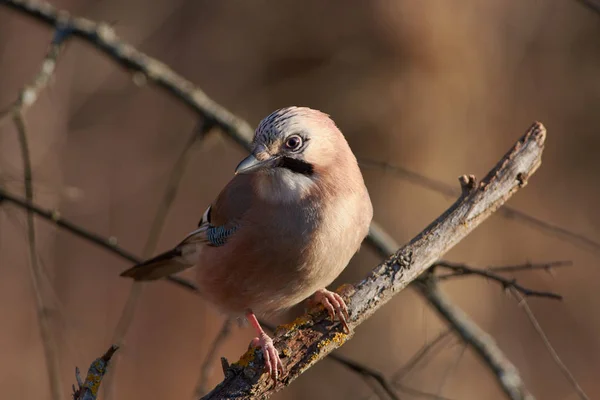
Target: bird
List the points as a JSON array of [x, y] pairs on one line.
[[284, 227]]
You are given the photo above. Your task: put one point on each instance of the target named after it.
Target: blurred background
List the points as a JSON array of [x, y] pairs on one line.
[[442, 88]]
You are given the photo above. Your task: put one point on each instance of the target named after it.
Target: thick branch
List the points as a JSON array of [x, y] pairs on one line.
[[312, 337]]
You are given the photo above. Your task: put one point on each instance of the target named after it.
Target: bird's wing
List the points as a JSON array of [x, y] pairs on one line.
[[219, 222], [210, 234], [222, 218]]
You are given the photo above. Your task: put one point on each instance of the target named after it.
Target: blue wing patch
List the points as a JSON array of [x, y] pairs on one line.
[[209, 234], [218, 235]]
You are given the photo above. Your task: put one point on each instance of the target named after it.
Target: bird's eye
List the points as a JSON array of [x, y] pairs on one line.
[[294, 142]]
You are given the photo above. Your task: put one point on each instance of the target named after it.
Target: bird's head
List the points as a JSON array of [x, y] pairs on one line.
[[292, 150]]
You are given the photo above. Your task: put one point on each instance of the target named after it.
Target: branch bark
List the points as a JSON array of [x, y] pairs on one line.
[[313, 336]]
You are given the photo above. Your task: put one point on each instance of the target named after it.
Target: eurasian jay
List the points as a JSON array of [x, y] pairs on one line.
[[282, 229]]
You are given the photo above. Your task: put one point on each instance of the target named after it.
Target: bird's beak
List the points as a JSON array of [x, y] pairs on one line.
[[252, 164]]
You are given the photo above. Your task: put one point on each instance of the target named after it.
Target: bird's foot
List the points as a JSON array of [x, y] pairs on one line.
[[334, 304], [273, 363]]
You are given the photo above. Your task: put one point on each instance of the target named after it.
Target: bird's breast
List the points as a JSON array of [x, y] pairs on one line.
[[281, 255]]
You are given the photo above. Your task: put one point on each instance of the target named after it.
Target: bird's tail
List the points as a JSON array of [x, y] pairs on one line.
[[165, 264]]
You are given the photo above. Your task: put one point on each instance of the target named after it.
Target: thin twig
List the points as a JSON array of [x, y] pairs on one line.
[[420, 355], [27, 96], [368, 372], [461, 269], [548, 267], [43, 314], [536, 325], [450, 369], [88, 389], [576, 239], [207, 365], [382, 381]]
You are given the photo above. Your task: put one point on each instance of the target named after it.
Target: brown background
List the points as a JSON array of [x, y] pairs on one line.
[[440, 87]]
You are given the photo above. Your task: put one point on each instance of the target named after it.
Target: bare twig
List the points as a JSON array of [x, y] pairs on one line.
[[43, 314], [26, 98], [207, 365], [420, 355], [367, 372], [536, 325], [507, 212], [88, 389], [461, 269], [382, 382], [450, 369], [311, 338], [548, 267]]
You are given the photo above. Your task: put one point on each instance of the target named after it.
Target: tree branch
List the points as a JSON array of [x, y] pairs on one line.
[[461, 269], [42, 312], [27, 96], [312, 337]]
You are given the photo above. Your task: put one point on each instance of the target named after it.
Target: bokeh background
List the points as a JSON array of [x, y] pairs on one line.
[[440, 87]]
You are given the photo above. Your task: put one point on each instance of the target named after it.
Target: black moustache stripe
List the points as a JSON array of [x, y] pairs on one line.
[[298, 166]]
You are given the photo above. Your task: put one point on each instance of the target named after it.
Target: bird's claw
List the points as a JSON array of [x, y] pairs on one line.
[[273, 363], [334, 304]]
